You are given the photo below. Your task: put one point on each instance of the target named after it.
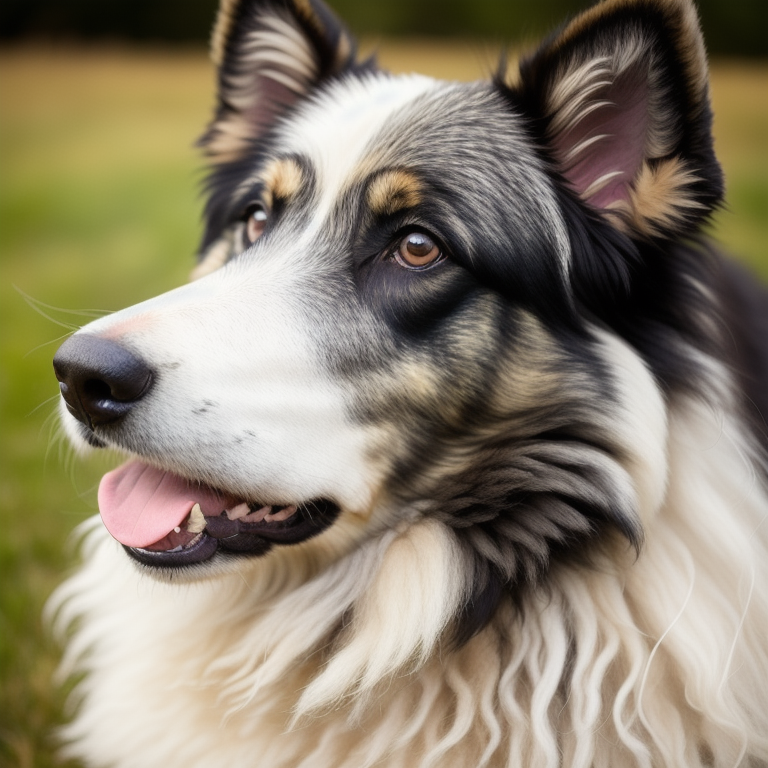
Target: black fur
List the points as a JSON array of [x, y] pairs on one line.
[[540, 490]]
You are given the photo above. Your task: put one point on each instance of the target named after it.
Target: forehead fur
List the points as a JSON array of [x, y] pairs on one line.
[[408, 139], [335, 132]]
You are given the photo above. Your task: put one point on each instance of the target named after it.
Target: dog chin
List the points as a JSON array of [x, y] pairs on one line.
[[218, 566]]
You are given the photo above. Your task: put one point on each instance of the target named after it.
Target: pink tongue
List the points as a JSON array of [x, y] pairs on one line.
[[141, 505]]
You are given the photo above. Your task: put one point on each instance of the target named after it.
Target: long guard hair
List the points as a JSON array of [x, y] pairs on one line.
[[538, 448]]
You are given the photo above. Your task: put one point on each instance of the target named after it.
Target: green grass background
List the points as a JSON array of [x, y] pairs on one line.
[[99, 208]]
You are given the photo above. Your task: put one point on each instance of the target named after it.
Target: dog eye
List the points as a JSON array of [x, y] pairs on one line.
[[255, 222], [417, 250]]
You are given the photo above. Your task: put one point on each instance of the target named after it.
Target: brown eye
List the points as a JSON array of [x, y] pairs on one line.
[[417, 250], [255, 222]]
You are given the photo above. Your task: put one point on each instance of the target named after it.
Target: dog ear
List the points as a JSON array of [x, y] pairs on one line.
[[620, 99], [270, 54]]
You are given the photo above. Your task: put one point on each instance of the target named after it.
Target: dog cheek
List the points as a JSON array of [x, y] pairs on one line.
[[540, 471]]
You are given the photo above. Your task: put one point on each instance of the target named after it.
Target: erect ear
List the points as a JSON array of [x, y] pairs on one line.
[[270, 54], [620, 99]]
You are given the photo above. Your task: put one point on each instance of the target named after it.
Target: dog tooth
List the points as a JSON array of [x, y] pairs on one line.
[[281, 514], [196, 522], [256, 516], [241, 510]]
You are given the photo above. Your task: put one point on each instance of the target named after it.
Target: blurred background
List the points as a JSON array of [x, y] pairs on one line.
[[735, 27], [100, 104]]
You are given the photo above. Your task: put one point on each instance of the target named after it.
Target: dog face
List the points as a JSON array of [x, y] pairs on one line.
[[414, 299]]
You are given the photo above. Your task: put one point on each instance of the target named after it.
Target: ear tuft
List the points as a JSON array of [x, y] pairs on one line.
[[620, 99], [270, 55]]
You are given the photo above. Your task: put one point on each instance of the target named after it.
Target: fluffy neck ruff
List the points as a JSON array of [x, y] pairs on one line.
[[654, 660]]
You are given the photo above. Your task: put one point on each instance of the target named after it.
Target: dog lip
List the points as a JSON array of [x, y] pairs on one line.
[[239, 537], [87, 435], [201, 550]]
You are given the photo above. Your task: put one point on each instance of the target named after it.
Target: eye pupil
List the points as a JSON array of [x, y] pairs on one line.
[[417, 250], [419, 245]]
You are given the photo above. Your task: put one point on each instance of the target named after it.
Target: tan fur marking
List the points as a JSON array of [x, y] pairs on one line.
[[392, 191], [283, 178], [659, 198], [222, 30], [533, 369]]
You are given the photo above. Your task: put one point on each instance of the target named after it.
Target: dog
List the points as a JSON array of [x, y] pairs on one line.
[[452, 453]]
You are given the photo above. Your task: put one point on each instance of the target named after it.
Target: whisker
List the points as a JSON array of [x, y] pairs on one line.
[[45, 402], [40, 307], [47, 343]]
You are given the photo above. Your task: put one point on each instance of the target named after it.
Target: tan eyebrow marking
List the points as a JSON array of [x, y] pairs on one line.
[[283, 179], [391, 191]]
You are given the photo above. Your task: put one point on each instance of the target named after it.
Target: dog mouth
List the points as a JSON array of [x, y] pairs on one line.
[[165, 520]]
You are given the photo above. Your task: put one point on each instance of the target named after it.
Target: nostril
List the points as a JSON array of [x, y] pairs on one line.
[[100, 380], [96, 390]]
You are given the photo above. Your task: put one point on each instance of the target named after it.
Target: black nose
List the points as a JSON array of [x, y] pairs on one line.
[[100, 380]]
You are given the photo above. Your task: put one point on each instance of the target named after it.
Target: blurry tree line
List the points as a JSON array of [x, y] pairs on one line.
[[731, 27]]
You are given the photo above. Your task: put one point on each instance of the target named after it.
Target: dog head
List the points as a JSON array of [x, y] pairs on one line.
[[418, 303]]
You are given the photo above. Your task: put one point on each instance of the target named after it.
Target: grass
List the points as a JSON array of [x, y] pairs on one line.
[[99, 208]]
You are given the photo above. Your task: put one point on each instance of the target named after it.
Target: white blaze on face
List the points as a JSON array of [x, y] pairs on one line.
[[335, 130], [240, 399]]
